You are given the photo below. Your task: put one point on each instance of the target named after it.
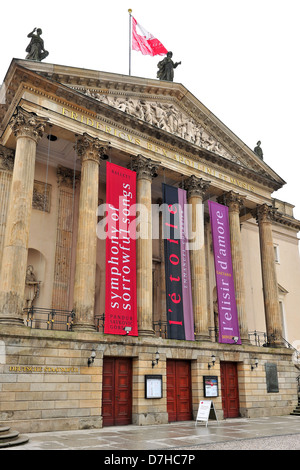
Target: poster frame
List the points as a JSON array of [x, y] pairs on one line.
[[210, 377], [148, 380]]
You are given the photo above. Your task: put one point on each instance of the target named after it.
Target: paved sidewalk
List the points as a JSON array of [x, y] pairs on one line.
[[228, 434]]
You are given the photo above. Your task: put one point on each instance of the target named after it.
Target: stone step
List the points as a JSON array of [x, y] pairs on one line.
[[3, 429], [10, 438], [296, 411], [15, 442]]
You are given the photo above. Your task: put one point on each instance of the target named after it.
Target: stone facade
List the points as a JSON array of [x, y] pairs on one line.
[[55, 137], [46, 384]]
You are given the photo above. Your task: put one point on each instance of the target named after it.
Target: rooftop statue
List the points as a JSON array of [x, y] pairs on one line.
[[166, 68], [258, 150], [35, 48]]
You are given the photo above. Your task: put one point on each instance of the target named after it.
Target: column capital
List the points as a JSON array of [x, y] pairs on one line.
[[26, 124], [196, 186], [92, 148], [144, 167], [233, 200], [264, 214]]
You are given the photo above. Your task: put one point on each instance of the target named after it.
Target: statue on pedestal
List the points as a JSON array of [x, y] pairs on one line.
[[32, 288], [166, 68], [35, 49]]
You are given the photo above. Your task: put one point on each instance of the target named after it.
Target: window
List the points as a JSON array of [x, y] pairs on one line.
[[276, 254], [282, 314]]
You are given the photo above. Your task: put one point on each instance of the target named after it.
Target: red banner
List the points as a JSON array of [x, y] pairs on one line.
[[120, 287]]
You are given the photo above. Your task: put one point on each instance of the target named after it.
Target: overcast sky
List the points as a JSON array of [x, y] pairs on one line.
[[240, 58]]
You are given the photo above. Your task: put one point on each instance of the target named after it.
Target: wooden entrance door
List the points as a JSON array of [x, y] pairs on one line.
[[117, 391], [229, 389], [179, 391]]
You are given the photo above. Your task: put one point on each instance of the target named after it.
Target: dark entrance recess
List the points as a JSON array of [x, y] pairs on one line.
[[179, 390], [117, 391], [229, 389]]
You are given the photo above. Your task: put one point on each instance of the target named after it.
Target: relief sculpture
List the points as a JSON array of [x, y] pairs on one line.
[[165, 116]]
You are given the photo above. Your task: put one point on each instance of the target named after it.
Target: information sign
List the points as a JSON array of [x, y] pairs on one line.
[[206, 411]]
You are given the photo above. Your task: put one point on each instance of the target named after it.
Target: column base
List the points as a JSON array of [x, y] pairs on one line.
[[245, 340], [146, 332], [202, 337], [276, 344], [12, 321], [84, 328]]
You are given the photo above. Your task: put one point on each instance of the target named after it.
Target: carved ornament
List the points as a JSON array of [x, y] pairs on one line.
[[90, 148], [196, 186], [264, 214], [7, 157], [233, 200], [66, 177], [165, 116], [144, 167], [26, 124]]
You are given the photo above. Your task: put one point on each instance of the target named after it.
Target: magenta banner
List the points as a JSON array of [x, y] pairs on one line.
[[228, 316]]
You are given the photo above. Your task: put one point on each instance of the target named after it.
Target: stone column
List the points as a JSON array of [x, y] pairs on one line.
[[7, 158], [28, 129], [196, 188], [146, 170], [234, 202], [264, 216], [90, 150]]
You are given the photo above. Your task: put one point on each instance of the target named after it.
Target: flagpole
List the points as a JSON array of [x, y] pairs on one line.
[[130, 39]]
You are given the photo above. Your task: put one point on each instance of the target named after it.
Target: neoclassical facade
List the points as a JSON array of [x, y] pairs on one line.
[[59, 370]]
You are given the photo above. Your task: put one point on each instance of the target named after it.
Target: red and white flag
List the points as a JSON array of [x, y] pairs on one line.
[[146, 42]]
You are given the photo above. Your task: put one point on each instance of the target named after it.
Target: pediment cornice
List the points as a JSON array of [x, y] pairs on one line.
[[166, 111]]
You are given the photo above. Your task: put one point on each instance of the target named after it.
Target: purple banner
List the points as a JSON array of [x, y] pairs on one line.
[[185, 270], [228, 316]]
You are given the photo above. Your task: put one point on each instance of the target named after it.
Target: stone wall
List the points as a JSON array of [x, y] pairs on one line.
[[46, 384]]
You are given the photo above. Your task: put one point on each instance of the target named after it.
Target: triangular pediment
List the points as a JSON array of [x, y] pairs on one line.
[[166, 107], [180, 117], [163, 113]]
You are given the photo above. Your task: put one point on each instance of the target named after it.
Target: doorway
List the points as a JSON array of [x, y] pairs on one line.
[[117, 391], [179, 390], [229, 390]]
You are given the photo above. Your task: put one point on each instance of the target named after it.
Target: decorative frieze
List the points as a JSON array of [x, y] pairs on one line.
[[165, 116]]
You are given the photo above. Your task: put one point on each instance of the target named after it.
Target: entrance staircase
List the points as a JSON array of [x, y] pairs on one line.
[[9, 438], [296, 411]]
